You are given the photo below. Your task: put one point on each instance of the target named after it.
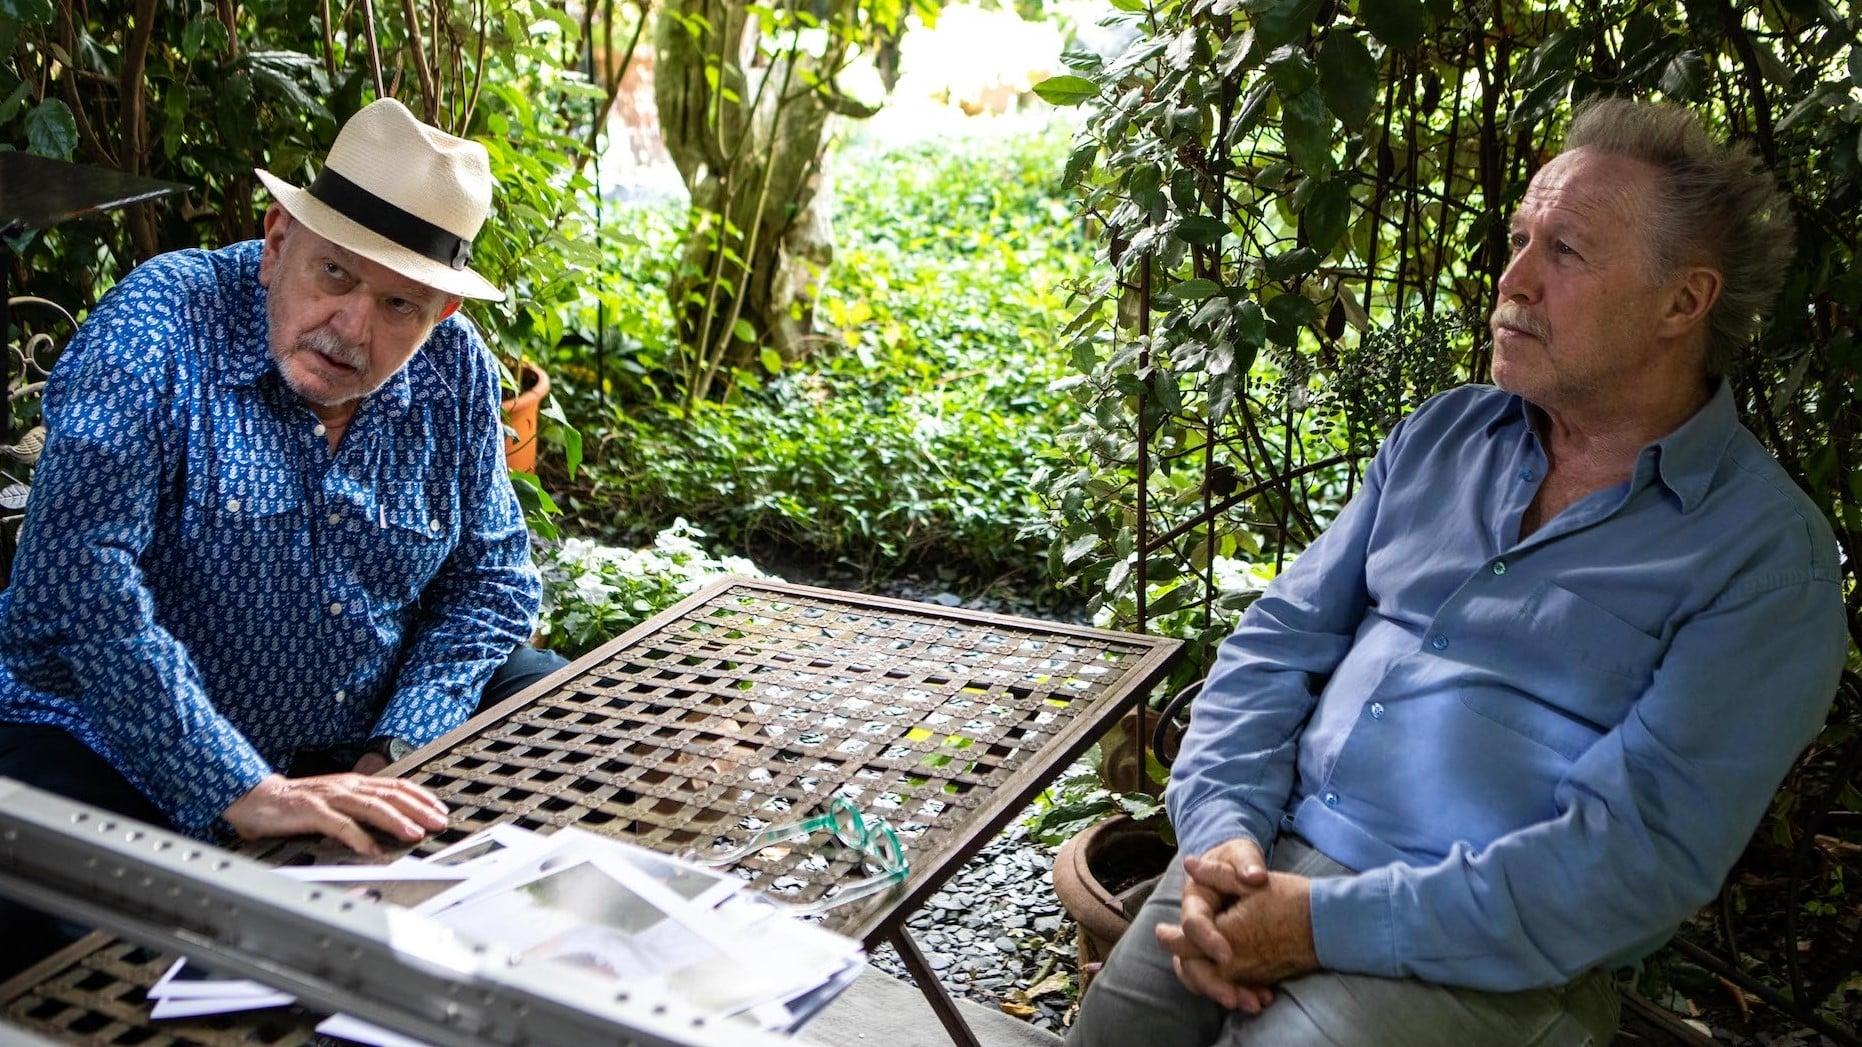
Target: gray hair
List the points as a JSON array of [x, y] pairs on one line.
[[1714, 205]]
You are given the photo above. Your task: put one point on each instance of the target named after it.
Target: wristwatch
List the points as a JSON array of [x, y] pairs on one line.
[[394, 749]]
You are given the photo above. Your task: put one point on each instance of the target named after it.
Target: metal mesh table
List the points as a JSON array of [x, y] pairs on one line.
[[749, 702]]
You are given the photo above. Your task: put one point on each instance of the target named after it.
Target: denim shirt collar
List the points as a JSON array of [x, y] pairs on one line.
[[248, 358], [1684, 460]]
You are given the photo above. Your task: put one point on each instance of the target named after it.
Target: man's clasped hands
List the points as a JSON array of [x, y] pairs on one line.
[[1244, 929]]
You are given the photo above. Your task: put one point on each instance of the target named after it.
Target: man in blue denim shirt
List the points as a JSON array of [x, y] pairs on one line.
[[272, 528], [1514, 715]]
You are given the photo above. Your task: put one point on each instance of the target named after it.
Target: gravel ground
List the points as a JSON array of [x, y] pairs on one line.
[[997, 935]]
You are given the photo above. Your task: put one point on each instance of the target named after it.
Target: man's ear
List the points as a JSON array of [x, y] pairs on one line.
[[1691, 298], [278, 225]]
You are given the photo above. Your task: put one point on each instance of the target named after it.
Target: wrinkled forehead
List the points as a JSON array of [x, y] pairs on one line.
[[1600, 193], [378, 277]]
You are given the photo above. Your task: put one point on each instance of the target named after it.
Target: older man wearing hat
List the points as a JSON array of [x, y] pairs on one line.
[[272, 529]]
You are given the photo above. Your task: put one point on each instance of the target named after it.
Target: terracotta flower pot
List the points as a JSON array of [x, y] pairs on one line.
[[1103, 876], [520, 451]]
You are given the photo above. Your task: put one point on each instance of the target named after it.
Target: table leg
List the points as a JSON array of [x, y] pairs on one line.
[[933, 989]]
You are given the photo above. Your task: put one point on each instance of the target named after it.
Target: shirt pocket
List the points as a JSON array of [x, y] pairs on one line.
[[1578, 659], [245, 497], [415, 537]]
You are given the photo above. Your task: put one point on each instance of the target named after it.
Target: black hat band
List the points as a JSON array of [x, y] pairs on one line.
[[377, 215]]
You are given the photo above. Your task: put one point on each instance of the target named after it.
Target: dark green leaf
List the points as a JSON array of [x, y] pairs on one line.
[[1066, 90], [1684, 74], [1306, 127], [1348, 79], [31, 12], [1250, 324], [203, 36], [1296, 262], [1079, 162], [1079, 547], [1855, 63], [1292, 71], [1538, 102], [1398, 23], [1285, 22], [1200, 229], [14, 101], [1195, 290], [1288, 313], [1328, 214], [51, 130]]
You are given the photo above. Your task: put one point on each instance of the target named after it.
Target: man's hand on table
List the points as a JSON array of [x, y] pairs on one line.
[[343, 807], [1244, 928]]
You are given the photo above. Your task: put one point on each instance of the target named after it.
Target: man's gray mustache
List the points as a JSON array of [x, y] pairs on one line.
[[1517, 319], [332, 346]]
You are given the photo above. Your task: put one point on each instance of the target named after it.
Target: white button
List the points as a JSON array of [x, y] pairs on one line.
[[232, 505], [340, 695], [433, 525], [320, 430], [335, 518], [337, 607]]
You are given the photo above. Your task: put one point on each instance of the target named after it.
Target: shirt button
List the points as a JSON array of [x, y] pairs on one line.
[[1377, 710], [340, 695], [433, 525], [1525, 475], [1331, 799], [232, 505], [337, 607], [335, 518], [1499, 567], [1439, 642], [321, 430]]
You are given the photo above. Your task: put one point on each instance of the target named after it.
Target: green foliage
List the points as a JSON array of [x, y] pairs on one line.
[[915, 438], [1080, 800], [593, 593]]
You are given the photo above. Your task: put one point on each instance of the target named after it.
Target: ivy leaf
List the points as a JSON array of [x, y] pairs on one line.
[[772, 360], [1398, 23], [31, 12], [51, 130], [1200, 229], [743, 332], [1195, 290], [1306, 127], [1066, 90], [1328, 214], [1348, 78]]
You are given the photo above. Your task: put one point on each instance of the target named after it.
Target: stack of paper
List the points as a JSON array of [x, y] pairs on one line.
[[641, 918]]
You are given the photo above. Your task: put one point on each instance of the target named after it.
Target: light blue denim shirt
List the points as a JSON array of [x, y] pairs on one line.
[[204, 587], [1540, 756]]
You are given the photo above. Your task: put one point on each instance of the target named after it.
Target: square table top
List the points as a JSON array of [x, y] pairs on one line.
[[749, 703]]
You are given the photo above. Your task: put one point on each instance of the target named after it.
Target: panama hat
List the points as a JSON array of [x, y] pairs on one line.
[[401, 193]]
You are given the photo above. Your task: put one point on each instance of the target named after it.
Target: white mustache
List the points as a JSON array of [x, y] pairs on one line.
[[1519, 319], [329, 343]]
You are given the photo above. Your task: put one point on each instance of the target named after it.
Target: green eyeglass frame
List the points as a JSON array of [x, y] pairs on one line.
[[872, 837]]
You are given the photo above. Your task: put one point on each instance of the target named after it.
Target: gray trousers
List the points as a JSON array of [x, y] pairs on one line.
[[1137, 998]]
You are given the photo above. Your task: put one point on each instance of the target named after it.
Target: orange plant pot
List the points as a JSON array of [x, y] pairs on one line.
[[520, 450]]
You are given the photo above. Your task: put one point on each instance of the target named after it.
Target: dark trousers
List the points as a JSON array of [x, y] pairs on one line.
[[50, 759]]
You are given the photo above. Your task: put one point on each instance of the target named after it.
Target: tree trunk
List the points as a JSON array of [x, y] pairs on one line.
[[748, 143]]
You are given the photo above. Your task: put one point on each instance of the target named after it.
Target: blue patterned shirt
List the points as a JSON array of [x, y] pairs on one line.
[[203, 587], [1539, 754]]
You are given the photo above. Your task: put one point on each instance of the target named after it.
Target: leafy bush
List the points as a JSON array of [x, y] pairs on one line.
[[919, 438], [593, 593]]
